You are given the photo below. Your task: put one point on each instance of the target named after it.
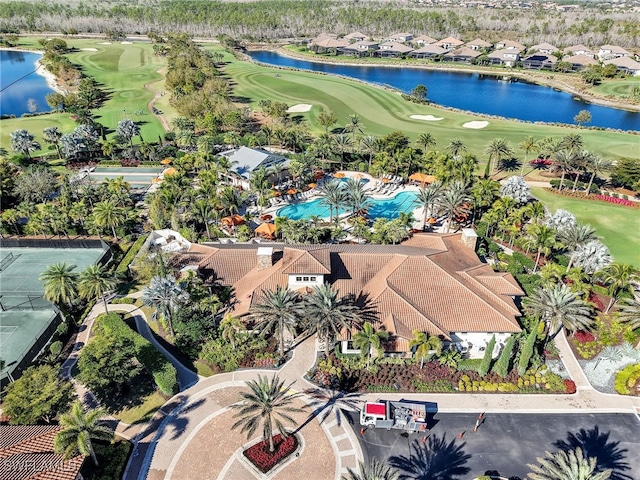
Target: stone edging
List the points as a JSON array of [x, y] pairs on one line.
[[264, 476]]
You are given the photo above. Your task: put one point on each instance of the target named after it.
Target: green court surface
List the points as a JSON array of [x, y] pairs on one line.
[[128, 170], [138, 178]]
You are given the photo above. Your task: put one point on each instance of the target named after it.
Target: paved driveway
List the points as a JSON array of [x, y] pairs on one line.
[[505, 443]]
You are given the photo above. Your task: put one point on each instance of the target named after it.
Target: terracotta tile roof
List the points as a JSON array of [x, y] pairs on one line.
[[312, 261], [432, 283], [27, 453]]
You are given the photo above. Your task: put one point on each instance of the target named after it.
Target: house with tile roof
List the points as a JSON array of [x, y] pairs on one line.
[[478, 44], [506, 56], [625, 64], [244, 161], [363, 48], [423, 40], [428, 51], [392, 49], [356, 37], [509, 44], [580, 61], [434, 283], [449, 43], [539, 61], [544, 48], [27, 453], [607, 52], [401, 37], [578, 50], [463, 55]]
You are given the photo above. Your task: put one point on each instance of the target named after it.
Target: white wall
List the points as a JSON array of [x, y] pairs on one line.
[[478, 342], [312, 280]]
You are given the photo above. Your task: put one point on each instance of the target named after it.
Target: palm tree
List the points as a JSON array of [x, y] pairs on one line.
[[559, 307], [369, 339], [425, 141], [164, 294], [497, 150], [450, 358], [229, 328], [424, 345], [564, 160], [619, 277], [127, 129], [569, 465], [277, 311], [484, 192], [572, 142], [574, 235], [53, 135], [374, 471], [428, 197], [333, 197], [454, 202], [80, 428], [95, 282], [268, 403], [630, 309], [328, 313], [597, 165], [369, 145], [455, 147], [202, 211], [354, 126], [591, 257], [543, 239], [527, 145], [108, 215], [60, 283], [344, 143]]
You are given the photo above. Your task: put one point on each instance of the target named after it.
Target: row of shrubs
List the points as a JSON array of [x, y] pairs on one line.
[[122, 269], [164, 373], [627, 378]]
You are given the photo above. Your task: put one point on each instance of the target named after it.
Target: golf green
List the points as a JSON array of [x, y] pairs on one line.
[[616, 225]]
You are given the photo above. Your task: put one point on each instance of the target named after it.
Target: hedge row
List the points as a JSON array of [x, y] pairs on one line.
[[163, 372], [123, 266], [627, 378]]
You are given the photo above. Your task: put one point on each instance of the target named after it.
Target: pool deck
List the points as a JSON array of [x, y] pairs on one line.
[[378, 190]]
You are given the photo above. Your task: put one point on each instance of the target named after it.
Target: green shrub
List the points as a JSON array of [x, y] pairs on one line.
[[123, 266], [153, 361], [469, 364], [504, 360], [523, 260], [123, 300], [627, 378], [527, 350], [485, 366]]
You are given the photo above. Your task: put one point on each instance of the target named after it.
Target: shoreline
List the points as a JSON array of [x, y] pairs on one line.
[[530, 77], [40, 69]]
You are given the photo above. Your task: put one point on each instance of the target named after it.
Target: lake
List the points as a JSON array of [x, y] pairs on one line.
[[486, 94], [15, 97]]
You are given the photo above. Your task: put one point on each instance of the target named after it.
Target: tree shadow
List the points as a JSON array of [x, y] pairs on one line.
[[596, 444], [435, 459], [324, 402], [179, 423], [510, 165]]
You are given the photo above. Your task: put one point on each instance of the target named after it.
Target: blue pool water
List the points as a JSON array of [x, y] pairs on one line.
[[403, 202]]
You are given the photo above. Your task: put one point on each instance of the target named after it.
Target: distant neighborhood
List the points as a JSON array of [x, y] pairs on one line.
[[508, 53]]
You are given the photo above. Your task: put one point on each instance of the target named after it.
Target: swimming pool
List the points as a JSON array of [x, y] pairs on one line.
[[403, 202]]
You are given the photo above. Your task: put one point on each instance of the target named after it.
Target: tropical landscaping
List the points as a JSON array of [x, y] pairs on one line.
[[574, 259]]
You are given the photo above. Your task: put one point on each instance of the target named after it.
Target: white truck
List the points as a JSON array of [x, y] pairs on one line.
[[389, 414]]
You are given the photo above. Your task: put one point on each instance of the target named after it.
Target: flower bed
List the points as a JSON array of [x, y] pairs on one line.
[[264, 460], [598, 197]]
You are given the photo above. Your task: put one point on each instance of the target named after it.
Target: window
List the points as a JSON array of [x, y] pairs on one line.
[[305, 279], [313, 279], [298, 279]]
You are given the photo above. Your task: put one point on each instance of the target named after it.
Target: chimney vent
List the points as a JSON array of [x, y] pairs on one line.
[[470, 238], [265, 257]]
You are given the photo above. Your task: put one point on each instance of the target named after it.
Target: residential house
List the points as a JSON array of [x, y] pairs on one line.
[[321, 37], [429, 51], [244, 161], [478, 44], [626, 65], [363, 48], [578, 50], [544, 48], [400, 37], [432, 283], [607, 52], [449, 43], [327, 44], [580, 61], [392, 49], [539, 61], [27, 453], [356, 37], [463, 54], [507, 57], [509, 45], [423, 40]]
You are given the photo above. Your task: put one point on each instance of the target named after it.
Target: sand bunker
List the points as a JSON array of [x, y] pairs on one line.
[[126, 43], [428, 118], [104, 43], [476, 124], [301, 107], [89, 49]]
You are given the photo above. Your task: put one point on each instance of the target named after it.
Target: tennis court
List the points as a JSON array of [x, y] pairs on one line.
[[137, 177]]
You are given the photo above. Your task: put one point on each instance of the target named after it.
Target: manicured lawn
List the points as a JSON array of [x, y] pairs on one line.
[[143, 410], [617, 226], [618, 87], [383, 111], [123, 71]]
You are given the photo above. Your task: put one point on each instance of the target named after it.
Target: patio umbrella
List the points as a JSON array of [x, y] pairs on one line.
[[266, 230], [233, 220], [266, 217], [292, 191], [385, 180], [432, 220], [166, 161], [358, 176], [422, 178], [339, 175], [313, 185], [277, 194], [169, 171]]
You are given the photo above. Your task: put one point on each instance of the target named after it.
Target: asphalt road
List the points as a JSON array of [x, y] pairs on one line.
[[505, 443]]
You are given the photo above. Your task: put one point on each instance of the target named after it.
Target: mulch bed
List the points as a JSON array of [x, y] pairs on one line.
[[264, 460]]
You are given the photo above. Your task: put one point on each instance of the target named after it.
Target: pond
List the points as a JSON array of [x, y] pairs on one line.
[[23, 90], [486, 94]]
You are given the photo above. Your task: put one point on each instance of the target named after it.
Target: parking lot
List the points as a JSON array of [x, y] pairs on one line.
[[504, 443]]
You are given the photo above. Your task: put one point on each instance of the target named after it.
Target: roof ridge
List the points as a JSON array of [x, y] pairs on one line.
[[511, 308]]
